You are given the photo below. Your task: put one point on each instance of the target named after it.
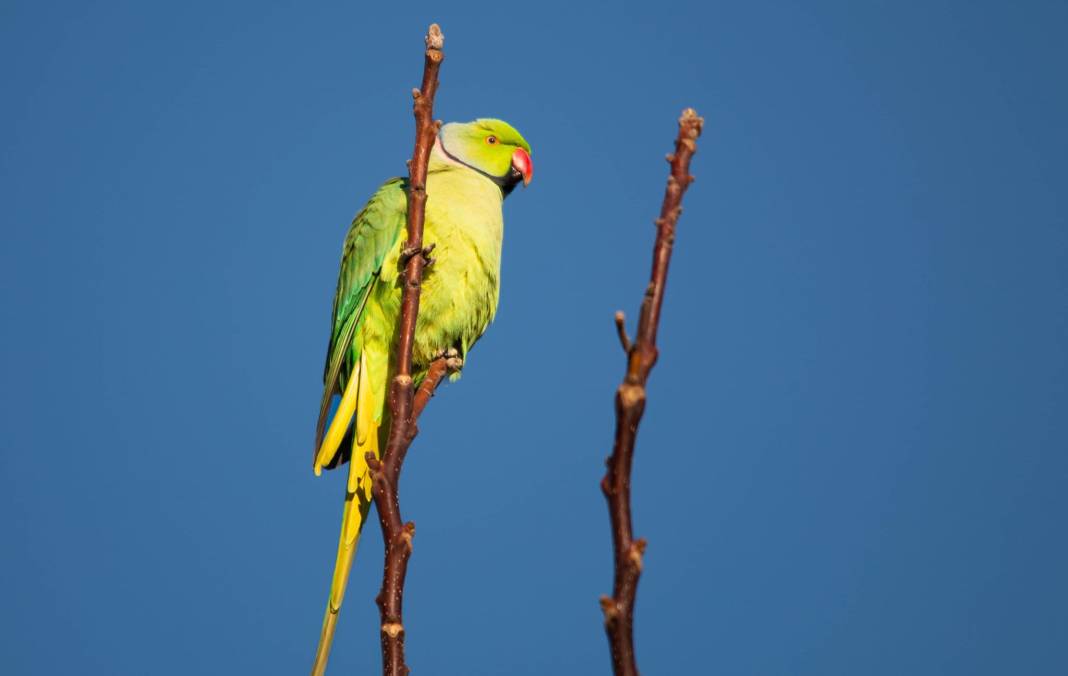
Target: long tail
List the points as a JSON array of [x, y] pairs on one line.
[[355, 402]]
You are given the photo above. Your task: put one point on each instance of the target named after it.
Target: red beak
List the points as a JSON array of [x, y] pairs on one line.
[[521, 163]]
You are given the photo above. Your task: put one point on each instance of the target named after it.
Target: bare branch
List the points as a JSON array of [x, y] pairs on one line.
[[403, 404], [434, 375], [630, 404]]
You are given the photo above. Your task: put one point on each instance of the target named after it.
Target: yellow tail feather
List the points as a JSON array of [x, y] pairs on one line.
[[357, 495], [342, 417]]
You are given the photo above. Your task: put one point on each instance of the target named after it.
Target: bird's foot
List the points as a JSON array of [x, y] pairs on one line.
[[407, 253], [453, 361]]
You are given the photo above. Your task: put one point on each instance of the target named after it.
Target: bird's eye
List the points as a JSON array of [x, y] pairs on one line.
[[491, 140]]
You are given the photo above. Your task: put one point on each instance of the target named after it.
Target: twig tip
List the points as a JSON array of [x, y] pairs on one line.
[[691, 122], [621, 330], [435, 39]]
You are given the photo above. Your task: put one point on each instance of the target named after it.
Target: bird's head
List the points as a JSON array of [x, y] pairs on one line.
[[491, 147]]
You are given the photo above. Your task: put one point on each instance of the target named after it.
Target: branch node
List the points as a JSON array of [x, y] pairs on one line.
[[393, 629], [407, 534], [373, 463], [637, 548], [610, 608], [630, 395]]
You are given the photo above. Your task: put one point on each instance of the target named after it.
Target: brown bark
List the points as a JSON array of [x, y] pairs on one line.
[[630, 404], [434, 375], [404, 405]]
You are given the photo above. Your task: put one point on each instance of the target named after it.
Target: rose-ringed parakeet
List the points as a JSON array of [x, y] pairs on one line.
[[473, 167]]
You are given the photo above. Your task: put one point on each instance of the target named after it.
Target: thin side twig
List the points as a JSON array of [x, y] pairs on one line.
[[434, 375], [396, 534], [630, 404]]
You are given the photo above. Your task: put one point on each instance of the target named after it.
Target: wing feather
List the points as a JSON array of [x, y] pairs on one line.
[[374, 231]]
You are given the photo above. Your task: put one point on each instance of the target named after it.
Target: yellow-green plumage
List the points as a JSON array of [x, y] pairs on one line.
[[472, 168]]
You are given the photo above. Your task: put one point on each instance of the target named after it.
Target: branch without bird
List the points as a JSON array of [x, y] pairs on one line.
[[630, 404]]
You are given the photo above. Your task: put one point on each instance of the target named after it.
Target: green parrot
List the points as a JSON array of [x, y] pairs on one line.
[[473, 167]]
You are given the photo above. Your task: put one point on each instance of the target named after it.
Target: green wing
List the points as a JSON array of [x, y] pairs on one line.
[[372, 234]]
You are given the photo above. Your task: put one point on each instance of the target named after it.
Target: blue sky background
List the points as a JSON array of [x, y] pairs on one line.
[[853, 461]]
